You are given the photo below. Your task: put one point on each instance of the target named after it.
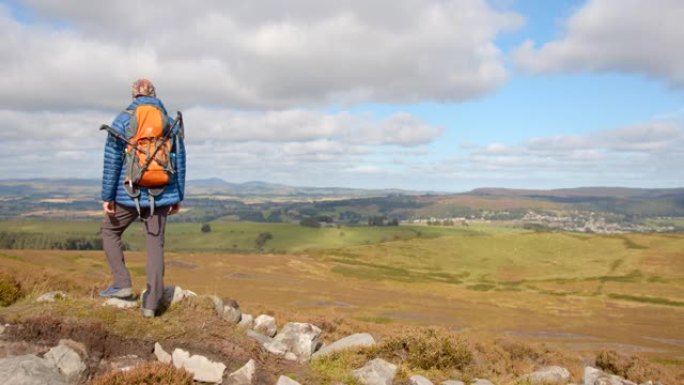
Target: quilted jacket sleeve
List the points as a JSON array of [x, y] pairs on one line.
[[180, 163], [181, 168], [113, 159]]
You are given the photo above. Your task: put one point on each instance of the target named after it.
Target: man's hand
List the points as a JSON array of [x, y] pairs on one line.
[[175, 208], [109, 207]]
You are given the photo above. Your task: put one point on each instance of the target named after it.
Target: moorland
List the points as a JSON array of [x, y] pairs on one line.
[[579, 291]]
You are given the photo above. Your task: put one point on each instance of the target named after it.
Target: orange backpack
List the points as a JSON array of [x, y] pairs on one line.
[[148, 153]]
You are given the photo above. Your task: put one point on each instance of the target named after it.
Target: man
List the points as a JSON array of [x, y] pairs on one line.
[[120, 208]]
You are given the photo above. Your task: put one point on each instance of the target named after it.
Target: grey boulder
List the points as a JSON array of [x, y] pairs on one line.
[[550, 375], [202, 369], [266, 325], [244, 375], [51, 296], [67, 360], [300, 338], [353, 341], [29, 370], [376, 372]]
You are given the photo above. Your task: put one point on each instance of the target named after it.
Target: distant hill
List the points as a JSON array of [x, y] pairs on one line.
[[215, 198], [264, 189]]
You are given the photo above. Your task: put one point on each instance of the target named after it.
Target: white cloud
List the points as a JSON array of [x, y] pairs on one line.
[[631, 36], [643, 155], [291, 146], [306, 125], [264, 54]]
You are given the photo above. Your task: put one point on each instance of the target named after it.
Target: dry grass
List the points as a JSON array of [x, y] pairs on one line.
[[153, 373]]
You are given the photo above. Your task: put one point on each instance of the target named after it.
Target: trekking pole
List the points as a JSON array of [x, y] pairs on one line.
[[122, 138]]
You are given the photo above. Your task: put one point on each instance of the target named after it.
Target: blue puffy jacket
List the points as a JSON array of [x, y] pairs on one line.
[[113, 171]]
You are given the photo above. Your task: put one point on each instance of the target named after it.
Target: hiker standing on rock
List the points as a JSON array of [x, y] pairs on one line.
[[143, 177]]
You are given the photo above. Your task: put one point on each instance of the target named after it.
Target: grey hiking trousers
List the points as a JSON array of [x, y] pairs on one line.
[[113, 227]]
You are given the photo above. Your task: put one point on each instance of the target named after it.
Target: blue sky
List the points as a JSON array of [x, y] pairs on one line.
[[444, 95]]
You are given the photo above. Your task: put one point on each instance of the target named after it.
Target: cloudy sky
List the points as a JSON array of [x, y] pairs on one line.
[[444, 95]]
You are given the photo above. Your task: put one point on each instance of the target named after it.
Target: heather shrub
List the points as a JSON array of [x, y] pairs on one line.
[[10, 289], [630, 367], [428, 349]]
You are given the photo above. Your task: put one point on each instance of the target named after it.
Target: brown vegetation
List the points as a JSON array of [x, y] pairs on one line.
[[631, 367], [153, 373]]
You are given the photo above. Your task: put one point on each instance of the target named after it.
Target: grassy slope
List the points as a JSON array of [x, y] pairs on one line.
[[582, 292]]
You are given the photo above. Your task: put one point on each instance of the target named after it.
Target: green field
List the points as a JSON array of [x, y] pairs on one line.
[[238, 236], [582, 291]]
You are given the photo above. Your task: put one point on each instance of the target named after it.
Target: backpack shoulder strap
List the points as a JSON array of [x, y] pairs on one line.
[[132, 123]]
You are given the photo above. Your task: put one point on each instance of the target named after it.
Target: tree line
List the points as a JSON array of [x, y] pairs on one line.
[[11, 240]]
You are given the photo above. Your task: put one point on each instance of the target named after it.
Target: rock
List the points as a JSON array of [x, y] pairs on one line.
[[2, 329], [593, 376], [174, 294], [376, 372], [259, 337], [246, 321], [20, 348], [283, 380], [353, 341], [29, 370], [231, 311], [68, 361], [161, 354], [549, 375], [120, 303], [218, 303], [452, 382], [275, 347], [272, 346], [125, 363], [201, 368], [266, 325], [481, 381], [419, 380], [300, 338], [244, 375], [51, 296], [291, 356]]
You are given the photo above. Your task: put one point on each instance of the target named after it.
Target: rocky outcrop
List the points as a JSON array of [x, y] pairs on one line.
[[68, 362]]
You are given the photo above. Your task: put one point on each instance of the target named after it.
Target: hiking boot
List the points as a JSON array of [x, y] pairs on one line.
[[147, 313], [117, 292]]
